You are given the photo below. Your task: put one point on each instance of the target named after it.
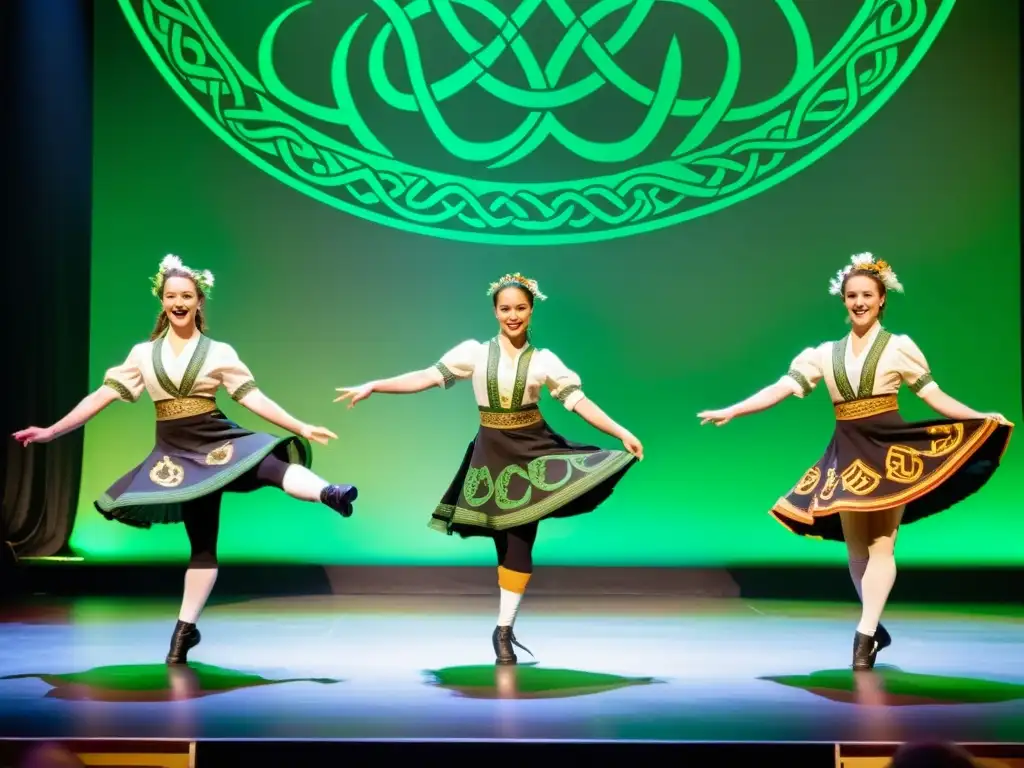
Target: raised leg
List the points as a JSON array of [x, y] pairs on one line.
[[301, 483]]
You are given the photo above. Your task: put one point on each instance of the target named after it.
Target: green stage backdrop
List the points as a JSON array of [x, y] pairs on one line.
[[683, 178]]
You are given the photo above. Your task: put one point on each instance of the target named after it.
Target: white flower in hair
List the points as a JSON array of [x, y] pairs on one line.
[[516, 279], [170, 261], [866, 262], [203, 279]]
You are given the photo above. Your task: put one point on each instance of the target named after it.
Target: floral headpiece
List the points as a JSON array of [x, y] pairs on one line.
[[865, 262], [516, 279], [203, 279]]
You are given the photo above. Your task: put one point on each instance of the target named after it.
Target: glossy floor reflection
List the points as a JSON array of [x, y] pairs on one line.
[[422, 668], [152, 682], [528, 681]]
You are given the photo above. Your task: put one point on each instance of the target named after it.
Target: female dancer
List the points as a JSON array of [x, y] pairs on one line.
[[878, 470], [516, 471], [199, 452]]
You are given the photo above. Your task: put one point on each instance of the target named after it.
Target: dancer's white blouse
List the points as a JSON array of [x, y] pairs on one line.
[[202, 367], [469, 361], [894, 359]]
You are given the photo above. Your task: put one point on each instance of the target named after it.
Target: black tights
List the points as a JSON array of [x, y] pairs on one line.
[[202, 516], [515, 547]]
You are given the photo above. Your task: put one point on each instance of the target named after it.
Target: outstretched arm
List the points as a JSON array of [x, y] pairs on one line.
[[762, 400], [565, 386], [915, 371], [406, 384], [409, 383], [122, 382], [270, 411], [804, 373], [591, 413], [457, 363], [952, 408], [88, 407], [237, 379]]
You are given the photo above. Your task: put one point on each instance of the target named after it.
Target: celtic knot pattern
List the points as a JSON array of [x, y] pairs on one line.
[[824, 103]]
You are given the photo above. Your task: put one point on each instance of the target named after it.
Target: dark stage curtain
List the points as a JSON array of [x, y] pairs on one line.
[[46, 49]]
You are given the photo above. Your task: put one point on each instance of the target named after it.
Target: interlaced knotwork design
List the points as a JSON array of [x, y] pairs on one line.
[[824, 102]]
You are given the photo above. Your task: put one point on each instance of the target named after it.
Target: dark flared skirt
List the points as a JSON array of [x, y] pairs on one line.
[[882, 462], [514, 476], [195, 456]]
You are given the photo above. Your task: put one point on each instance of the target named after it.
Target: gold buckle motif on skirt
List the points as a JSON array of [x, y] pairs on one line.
[[181, 407], [510, 419], [868, 406]]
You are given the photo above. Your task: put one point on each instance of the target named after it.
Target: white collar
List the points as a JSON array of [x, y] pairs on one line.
[[869, 337]]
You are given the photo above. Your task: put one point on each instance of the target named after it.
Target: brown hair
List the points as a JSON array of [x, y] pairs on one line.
[[161, 320]]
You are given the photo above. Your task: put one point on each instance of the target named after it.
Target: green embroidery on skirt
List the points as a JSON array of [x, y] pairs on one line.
[[567, 489], [535, 475], [474, 477]]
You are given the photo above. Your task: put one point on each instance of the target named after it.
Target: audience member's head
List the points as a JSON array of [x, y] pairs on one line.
[[932, 755], [50, 755]]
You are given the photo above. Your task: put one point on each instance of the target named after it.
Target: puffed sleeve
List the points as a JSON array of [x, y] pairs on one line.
[[804, 372], [126, 379], [563, 383], [232, 373], [457, 363], [913, 367]]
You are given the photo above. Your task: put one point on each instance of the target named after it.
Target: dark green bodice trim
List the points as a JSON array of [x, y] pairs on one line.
[[522, 376], [867, 375], [188, 379]]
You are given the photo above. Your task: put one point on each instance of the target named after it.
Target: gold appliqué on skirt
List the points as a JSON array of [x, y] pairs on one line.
[[221, 455], [905, 465], [808, 482], [953, 435], [167, 474], [859, 478]]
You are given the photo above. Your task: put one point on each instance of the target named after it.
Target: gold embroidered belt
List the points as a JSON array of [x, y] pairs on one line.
[[181, 407], [510, 419], [868, 406]]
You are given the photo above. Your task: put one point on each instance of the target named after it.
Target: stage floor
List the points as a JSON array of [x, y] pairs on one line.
[[619, 669]]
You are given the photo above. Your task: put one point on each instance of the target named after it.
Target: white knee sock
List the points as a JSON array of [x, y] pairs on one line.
[[878, 579], [857, 567], [198, 585], [508, 607], [301, 483]]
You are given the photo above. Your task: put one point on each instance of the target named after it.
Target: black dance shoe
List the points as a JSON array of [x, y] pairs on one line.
[[339, 498], [503, 639], [883, 638], [186, 637], [865, 648]]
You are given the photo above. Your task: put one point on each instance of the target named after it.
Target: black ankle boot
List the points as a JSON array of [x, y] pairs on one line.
[[865, 648], [186, 637], [339, 498], [503, 639]]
